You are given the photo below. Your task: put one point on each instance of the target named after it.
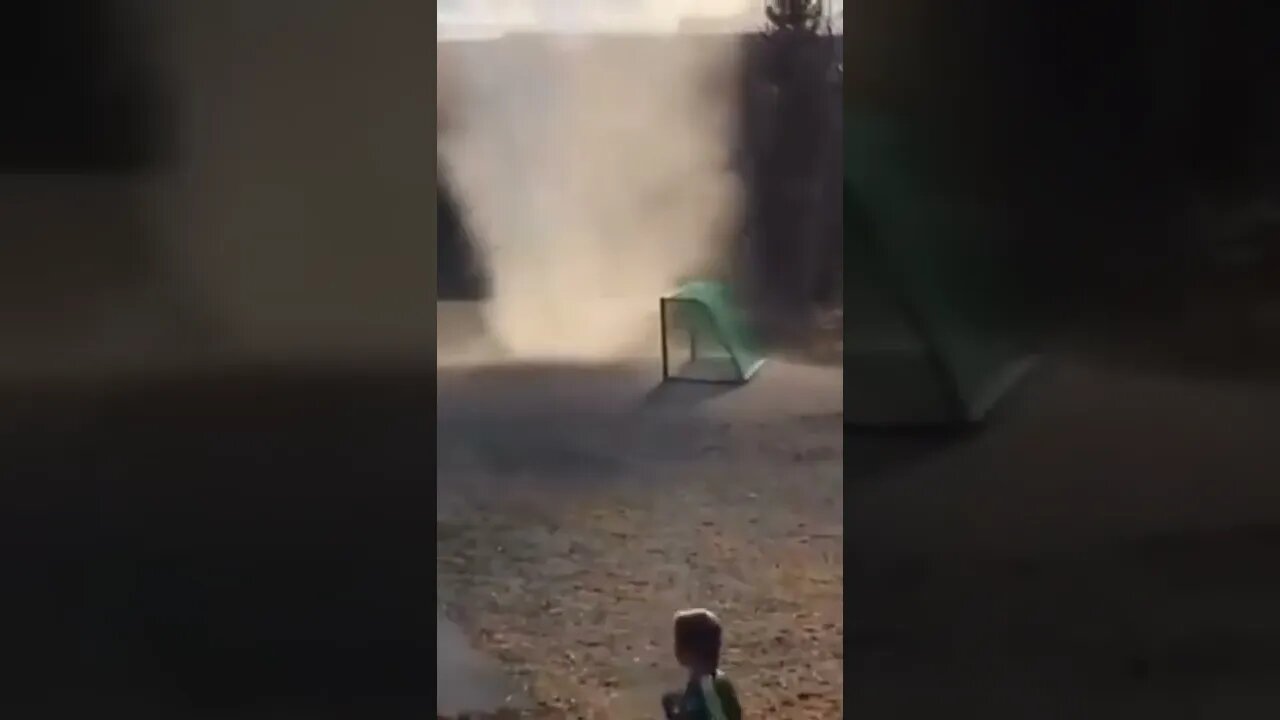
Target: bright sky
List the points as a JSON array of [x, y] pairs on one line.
[[471, 18]]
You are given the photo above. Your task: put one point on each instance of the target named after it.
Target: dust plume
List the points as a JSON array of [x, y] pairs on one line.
[[593, 170]]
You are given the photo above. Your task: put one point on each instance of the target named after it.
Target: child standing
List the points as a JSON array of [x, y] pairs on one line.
[[709, 695]]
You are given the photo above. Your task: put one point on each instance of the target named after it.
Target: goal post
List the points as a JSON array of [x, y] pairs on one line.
[[705, 337]]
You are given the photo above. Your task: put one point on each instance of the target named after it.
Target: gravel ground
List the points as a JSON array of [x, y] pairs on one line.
[[1104, 549], [578, 513]]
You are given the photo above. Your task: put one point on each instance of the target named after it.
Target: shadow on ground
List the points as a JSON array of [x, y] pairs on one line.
[[240, 540], [685, 395], [876, 454], [575, 422]]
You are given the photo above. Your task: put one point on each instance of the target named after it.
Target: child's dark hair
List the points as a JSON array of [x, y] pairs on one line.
[[698, 632]]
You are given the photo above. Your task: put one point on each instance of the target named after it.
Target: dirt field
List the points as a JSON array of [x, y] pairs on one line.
[[1105, 549], [578, 509], [222, 544]]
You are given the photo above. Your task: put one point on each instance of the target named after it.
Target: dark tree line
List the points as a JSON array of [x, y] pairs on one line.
[[794, 15], [794, 233]]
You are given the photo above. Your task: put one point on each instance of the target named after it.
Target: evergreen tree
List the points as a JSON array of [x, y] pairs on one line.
[[794, 15]]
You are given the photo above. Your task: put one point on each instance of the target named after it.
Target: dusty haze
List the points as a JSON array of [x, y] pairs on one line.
[[592, 188]]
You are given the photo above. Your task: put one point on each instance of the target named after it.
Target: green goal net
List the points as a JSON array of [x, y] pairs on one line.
[[705, 337], [930, 338]]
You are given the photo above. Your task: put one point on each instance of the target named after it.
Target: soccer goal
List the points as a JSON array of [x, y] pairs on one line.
[[705, 337]]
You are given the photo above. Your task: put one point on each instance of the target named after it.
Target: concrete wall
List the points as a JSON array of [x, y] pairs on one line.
[[290, 223]]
